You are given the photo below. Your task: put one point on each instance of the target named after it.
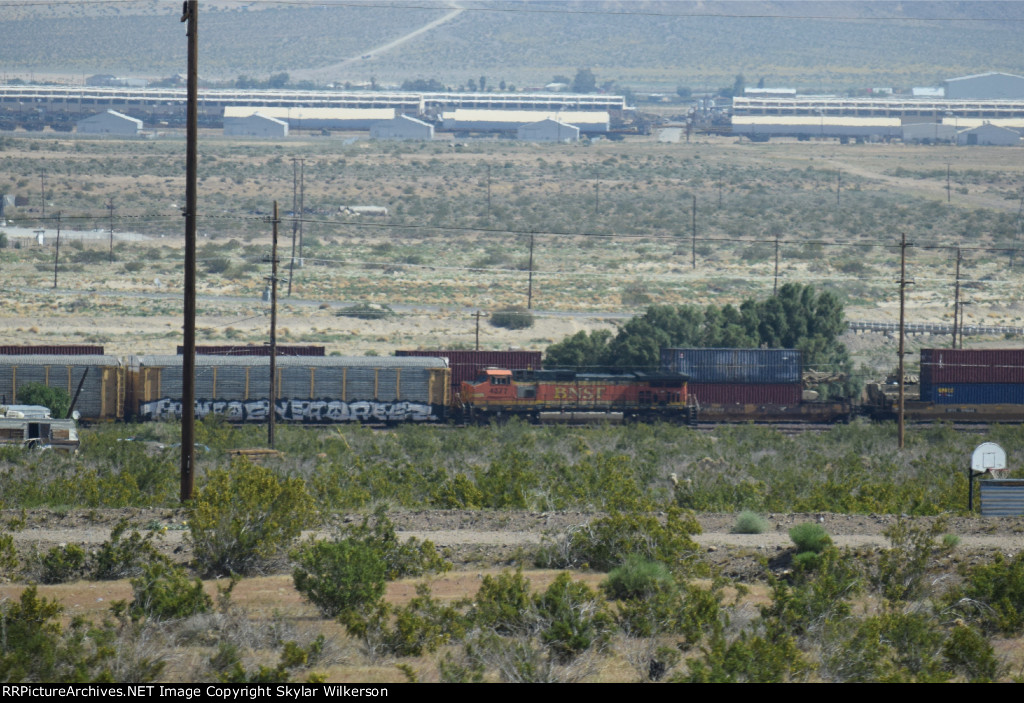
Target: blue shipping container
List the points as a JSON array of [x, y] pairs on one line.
[[734, 365], [974, 393]]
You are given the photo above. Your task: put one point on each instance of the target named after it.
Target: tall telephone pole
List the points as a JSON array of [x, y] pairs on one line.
[[110, 208], [903, 286], [42, 192], [272, 415], [56, 252], [295, 220], [956, 300], [529, 291], [693, 238], [188, 358]]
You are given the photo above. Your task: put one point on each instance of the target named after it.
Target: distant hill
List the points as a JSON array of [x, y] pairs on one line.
[[643, 45]]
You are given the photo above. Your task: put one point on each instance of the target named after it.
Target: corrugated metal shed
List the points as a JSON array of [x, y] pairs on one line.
[[548, 131], [1002, 497]]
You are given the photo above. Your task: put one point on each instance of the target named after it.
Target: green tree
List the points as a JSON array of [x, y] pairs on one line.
[[56, 399], [584, 82]]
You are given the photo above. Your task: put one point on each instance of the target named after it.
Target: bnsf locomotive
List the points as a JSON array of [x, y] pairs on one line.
[[502, 393]]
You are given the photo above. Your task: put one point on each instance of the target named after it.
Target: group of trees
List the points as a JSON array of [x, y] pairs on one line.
[[794, 318]]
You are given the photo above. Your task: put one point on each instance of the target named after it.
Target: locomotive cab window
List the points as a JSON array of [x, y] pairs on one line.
[[501, 380]]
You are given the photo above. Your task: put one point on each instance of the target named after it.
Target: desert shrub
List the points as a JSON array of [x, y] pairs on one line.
[[992, 595], [809, 537], [123, 556], [420, 627], [36, 648], [164, 592], [637, 578], [243, 517], [815, 595], [573, 618], [893, 647], [366, 311], [339, 576], [768, 657], [750, 523], [502, 604], [62, 564], [968, 654], [902, 569], [56, 399], [226, 664], [218, 264], [133, 266], [679, 609], [606, 542], [512, 318], [8, 555], [402, 559]]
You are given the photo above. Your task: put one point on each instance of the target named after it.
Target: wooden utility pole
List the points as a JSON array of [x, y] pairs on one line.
[[42, 192], [597, 197], [956, 300], [693, 238], [839, 185], [775, 286], [272, 415], [529, 291], [477, 315], [949, 186], [56, 252], [903, 286], [110, 208], [295, 220], [188, 352], [488, 193]]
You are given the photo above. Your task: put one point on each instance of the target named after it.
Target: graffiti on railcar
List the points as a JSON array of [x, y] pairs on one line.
[[293, 410]]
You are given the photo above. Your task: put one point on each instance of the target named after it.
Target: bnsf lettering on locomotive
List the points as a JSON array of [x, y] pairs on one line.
[[574, 392]]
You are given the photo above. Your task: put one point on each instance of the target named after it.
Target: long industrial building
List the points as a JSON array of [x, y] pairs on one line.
[[55, 103], [865, 118]]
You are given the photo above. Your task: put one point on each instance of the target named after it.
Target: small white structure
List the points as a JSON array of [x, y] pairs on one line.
[[368, 210], [548, 131], [110, 122], [255, 125], [988, 135], [404, 128], [928, 133]]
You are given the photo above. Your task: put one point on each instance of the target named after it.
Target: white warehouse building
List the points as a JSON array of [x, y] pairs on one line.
[[255, 125], [548, 131], [986, 86], [403, 128], [110, 122]]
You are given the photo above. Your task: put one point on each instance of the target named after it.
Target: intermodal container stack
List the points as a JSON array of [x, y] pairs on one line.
[[972, 376], [738, 376]]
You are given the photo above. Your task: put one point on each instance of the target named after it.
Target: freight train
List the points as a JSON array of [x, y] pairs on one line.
[[334, 389], [693, 385]]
